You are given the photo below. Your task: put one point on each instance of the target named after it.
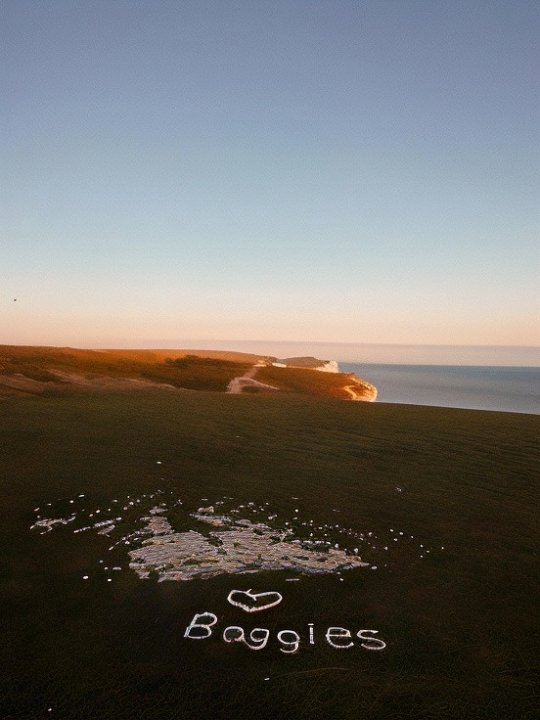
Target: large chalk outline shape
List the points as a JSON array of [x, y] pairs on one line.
[[278, 597]]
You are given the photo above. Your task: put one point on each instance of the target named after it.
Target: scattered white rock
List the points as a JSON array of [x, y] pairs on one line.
[[49, 523], [234, 544]]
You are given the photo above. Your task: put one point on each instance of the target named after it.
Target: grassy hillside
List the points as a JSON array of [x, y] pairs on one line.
[[312, 382], [192, 370], [32, 370], [459, 623]]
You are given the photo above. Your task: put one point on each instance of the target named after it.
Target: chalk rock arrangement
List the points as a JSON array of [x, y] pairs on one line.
[[240, 547], [49, 523], [217, 536]]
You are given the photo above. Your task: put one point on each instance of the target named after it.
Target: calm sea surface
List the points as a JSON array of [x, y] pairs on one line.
[[509, 389]]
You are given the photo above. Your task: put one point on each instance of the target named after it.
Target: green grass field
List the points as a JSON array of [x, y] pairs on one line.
[[460, 624]]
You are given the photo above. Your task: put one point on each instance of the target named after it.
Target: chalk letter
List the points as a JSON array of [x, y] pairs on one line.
[[334, 633], [371, 643], [261, 641], [234, 633], [293, 645], [205, 627]]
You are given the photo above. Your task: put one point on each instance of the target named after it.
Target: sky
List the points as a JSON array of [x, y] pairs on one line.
[[323, 171]]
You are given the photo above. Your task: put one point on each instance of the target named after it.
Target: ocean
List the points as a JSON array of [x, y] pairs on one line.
[[506, 389]]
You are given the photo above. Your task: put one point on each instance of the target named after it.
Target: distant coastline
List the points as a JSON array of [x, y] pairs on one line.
[[29, 370]]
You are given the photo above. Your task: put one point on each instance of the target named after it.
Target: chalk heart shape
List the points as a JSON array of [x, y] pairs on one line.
[[254, 602]]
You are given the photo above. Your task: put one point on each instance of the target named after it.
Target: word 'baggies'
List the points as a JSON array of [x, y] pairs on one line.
[[340, 638]]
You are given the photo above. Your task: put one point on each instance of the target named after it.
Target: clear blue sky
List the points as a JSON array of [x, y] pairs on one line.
[[330, 171]]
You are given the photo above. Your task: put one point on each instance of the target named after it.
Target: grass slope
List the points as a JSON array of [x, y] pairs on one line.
[[32, 370], [312, 382], [192, 370], [460, 625]]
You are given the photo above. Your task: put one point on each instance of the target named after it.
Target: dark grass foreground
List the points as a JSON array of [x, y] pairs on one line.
[[461, 626]]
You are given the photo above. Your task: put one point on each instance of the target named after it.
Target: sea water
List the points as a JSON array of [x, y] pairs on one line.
[[507, 389]]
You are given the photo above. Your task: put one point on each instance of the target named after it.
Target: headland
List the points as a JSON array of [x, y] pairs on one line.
[[29, 370]]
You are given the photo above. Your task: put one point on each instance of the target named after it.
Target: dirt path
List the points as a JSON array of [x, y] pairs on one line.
[[20, 384], [238, 384]]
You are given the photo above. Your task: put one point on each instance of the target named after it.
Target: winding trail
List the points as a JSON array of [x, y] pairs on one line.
[[360, 390], [238, 384]]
